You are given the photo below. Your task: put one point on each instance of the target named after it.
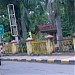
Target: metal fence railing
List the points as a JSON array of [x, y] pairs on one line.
[[67, 46]]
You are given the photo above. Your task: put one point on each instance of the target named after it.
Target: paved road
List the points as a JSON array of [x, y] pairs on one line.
[[27, 68]]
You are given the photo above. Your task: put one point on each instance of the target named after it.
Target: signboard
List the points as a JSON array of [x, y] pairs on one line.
[[1, 30]]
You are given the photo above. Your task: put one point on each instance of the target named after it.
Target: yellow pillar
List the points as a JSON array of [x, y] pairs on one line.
[[74, 41], [14, 47], [29, 46], [49, 44]]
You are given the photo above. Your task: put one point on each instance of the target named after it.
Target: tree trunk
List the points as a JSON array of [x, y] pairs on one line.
[[24, 30], [55, 19], [58, 24], [50, 17], [59, 31]]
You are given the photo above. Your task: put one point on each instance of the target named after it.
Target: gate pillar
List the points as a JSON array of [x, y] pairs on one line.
[[49, 43], [29, 45]]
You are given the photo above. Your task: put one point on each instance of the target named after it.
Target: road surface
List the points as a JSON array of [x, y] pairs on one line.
[[30, 68]]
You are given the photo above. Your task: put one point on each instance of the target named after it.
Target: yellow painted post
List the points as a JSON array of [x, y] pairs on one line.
[[49, 43], [29, 45], [14, 46], [74, 41]]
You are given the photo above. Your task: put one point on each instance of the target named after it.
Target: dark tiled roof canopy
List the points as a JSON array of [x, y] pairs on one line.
[[46, 27]]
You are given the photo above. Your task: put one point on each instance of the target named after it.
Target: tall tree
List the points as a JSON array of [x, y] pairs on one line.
[[55, 18], [67, 10], [58, 23], [50, 11]]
